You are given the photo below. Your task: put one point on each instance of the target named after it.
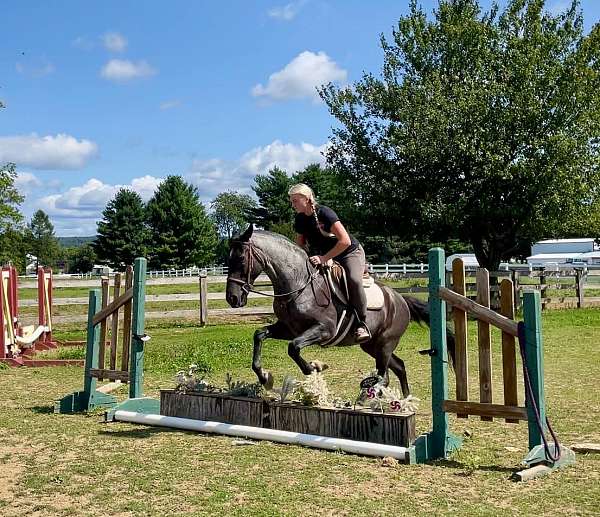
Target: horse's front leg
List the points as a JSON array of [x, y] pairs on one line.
[[275, 331], [317, 334]]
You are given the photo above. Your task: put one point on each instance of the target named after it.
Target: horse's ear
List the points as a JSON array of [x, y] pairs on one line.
[[245, 237]]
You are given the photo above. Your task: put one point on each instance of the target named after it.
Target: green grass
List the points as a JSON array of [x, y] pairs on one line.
[[75, 465]]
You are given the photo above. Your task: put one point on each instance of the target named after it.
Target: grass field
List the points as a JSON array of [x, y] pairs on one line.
[[76, 465]]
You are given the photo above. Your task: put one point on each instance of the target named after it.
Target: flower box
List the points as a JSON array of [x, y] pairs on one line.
[[361, 424], [216, 407]]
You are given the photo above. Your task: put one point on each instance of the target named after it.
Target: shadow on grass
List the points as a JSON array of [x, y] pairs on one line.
[[467, 469], [42, 410], [144, 432]]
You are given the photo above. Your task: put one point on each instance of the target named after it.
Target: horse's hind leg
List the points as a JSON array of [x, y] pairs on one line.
[[397, 366], [382, 356], [275, 331]]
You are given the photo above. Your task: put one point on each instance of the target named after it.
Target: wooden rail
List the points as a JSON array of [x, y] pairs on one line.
[[481, 313]]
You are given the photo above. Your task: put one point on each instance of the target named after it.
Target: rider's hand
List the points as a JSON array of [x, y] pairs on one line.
[[317, 260]]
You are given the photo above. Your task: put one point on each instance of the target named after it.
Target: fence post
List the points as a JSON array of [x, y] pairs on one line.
[[203, 299], [543, 288], [579, 287], [439, 442], [138, 335], [534, 356]]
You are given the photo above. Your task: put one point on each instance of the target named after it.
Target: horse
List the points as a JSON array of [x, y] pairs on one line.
[[307, 314]]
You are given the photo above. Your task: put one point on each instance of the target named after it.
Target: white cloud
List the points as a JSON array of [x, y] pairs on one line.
[[214, 176], [47, 152], [286, 12], [76, 210], [26, 182], [301, 76], [167, 105], [114, 42], [120, 70]]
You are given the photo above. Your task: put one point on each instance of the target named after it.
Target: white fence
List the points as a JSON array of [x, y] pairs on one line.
[[381, 270]]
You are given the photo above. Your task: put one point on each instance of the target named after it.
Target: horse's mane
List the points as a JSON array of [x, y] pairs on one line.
[[280, 240]]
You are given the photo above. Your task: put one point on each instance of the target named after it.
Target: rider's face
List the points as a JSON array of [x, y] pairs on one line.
[[300, 203]]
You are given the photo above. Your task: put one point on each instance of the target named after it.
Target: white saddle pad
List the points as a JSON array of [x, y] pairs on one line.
[[374, 294]]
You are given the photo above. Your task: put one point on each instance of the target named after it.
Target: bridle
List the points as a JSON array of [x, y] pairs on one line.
[[251, 255]]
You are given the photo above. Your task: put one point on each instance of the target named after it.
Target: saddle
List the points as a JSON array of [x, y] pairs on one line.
[[335, 276]]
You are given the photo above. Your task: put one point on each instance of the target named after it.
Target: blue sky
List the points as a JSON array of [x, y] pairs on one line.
[[101, 95]]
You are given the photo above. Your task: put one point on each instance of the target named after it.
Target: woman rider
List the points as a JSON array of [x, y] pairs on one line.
[[319, 228]]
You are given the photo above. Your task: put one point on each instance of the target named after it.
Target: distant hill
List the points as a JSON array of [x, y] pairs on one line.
[[74, 242]]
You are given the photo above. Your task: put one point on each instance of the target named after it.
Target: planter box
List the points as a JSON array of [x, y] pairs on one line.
[[216, 407], [362, 425]]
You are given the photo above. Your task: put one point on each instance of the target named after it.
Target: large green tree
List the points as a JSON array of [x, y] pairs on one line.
[[79, 259], [230, 212], [122, 233], [271, 189], [181, 233], [482, 127], [42, 241], [12, 235]]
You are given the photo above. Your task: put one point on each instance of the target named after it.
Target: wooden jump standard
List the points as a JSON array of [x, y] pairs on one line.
[[439, 443], [132, 349]]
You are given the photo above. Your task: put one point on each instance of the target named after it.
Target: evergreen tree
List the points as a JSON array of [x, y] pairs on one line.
[[181, 233], [122, 232], [272, 192], [43, 244]]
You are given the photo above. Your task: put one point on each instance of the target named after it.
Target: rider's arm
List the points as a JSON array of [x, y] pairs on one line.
[[343, 240]]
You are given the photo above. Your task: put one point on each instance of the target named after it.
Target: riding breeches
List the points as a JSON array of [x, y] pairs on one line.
[[354, 265]]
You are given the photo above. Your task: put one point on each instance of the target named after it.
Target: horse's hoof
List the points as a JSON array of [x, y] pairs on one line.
[[319, 366], [268, 381]]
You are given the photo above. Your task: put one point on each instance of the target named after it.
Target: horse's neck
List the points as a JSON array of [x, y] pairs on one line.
[[286, 266]]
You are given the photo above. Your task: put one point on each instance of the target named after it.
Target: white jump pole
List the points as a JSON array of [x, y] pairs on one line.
[[259, 433]]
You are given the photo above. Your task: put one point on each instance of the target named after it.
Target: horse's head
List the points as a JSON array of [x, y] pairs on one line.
[[243, 268]]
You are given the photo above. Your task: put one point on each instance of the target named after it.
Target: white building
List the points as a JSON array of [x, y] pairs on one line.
[[564, 252]]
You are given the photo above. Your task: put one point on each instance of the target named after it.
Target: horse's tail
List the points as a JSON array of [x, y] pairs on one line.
[[419, 312]]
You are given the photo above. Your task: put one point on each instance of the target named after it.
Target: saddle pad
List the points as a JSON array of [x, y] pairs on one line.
[[374, 294]]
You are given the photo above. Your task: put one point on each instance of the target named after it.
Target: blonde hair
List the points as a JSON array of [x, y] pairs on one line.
[[307, 192], [304, 190]]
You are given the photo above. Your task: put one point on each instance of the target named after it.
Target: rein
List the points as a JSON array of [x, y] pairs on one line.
[[247, 287]]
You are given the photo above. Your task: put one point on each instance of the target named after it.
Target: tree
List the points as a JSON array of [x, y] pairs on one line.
[[122, 232], [43, 244], [230, 212], [271, 189], [482, 127], [12, 235], [80, 259], [181, 233]]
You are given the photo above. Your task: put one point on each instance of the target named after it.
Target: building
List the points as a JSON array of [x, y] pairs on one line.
[[573, 252]]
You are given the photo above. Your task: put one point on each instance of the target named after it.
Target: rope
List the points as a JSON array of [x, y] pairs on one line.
[[531, 400]]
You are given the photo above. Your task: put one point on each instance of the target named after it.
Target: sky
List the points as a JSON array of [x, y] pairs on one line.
[[102, 95]]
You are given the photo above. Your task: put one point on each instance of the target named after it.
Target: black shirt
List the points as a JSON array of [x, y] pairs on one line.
[[317, 242]]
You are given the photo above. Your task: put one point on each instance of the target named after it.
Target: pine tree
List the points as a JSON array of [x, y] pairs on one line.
[[182, 234], [122, 232], [43, 244]]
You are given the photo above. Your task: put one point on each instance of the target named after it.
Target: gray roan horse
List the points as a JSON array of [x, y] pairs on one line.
[[306, 314]]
